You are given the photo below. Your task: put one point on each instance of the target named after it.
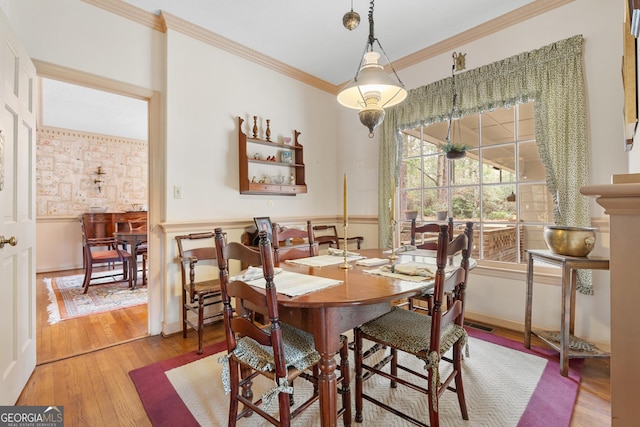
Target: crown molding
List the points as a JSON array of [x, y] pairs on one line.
[[166, 21], [129, 11], [514, 17], [189, 29]]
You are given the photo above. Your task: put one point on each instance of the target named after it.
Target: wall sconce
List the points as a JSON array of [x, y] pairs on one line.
[[99, 179]]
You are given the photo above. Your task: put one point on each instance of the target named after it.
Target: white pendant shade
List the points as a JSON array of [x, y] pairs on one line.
[[373, 86]]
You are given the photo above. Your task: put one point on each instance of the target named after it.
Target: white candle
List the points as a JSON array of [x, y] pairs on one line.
[[344, 214]]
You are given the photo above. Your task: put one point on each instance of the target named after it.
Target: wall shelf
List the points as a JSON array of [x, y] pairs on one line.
[[253, 170]]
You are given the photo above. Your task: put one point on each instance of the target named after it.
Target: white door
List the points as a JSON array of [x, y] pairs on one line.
[[17, 216]]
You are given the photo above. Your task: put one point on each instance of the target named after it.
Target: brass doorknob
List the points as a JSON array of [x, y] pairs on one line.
[[12, 241]]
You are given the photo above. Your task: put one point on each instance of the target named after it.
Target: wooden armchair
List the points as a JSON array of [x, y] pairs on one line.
[[201, 297], [328, 235]]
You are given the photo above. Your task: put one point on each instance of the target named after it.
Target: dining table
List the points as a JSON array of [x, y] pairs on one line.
[[133, 238], [359, 297]]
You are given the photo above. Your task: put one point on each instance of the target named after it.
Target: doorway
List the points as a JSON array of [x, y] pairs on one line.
[[98, 107]]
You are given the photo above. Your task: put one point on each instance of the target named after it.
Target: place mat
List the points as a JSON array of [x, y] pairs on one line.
[[410, 271], [296, 284], [370, 262], [323, 260]]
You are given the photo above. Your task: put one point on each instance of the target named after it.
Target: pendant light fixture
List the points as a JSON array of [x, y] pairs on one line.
[[372, 90], [351, 19]]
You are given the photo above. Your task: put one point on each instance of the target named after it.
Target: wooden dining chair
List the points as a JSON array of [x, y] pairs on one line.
[[277, 351], [328, 235], [101, 251], [201, 297], [141, 247], [293, 243], [427, 337], [430, 240], [463, 249]]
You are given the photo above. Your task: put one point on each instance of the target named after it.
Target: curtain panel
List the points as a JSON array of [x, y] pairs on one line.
[[552, 76]]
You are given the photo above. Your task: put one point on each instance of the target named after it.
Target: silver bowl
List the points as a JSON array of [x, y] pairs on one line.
[[570, 241]]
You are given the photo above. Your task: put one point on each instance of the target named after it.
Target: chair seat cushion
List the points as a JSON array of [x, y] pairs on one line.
[[409, 331], [204, 288], [97, 256], [299, 350]]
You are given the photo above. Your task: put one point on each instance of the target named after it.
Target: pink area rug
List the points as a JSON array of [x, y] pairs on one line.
[[547, 400]]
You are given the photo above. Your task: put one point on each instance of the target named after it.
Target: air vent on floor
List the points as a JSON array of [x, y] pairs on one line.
[[477, 326]]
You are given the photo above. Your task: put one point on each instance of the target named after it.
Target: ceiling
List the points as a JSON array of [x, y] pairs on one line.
[[310, 37]]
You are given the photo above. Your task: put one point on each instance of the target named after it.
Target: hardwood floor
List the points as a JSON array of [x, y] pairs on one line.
[[83, 365]]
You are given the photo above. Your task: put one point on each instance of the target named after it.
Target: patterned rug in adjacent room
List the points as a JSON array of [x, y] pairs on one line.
[[66, 299], [505, 385]]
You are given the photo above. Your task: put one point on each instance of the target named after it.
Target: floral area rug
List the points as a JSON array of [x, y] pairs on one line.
[[66, 299]]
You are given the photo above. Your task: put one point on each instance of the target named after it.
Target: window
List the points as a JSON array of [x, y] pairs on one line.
[[500, 184]]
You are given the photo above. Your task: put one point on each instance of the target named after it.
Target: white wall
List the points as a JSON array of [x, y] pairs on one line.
[[205, 89]]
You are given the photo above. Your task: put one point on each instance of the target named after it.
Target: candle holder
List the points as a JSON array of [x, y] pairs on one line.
[[345, 265], [393, 256]]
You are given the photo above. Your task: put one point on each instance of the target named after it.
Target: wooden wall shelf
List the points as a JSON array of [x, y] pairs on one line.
[[253, 166]]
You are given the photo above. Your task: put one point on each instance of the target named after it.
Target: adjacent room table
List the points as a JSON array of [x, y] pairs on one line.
[[328, 312], [133, 239]]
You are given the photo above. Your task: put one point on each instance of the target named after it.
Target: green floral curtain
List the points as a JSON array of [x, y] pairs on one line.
[[552, 76]]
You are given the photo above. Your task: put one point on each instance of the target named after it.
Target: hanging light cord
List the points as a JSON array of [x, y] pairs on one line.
[[369, 47], [455, 95]]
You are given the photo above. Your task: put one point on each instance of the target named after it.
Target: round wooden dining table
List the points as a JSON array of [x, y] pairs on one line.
[[328, 312]]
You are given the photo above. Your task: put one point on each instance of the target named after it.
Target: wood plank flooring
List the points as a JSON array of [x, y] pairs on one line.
[[83, 365]]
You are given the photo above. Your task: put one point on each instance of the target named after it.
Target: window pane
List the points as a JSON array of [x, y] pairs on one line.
[[410, 201], [468, 131], [495, 206], [465, 203], [410, 173], [435, 200], [498, 126], [531, 167], [498, 164], [411, 144], [499, 242], [435, 134], [435, 171], [536, 203], [465, 171], [525, 122]]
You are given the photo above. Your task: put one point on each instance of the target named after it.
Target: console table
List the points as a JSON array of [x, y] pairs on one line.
[[561, 341]]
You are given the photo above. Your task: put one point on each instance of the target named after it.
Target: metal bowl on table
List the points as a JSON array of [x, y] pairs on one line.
[[570, 241]]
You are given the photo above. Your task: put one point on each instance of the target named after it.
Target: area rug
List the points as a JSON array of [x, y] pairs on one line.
[[505, 385], [66, 299]]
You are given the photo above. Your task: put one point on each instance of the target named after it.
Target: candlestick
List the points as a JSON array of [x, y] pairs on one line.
[[344, 213], [345, 265], [393, 199]]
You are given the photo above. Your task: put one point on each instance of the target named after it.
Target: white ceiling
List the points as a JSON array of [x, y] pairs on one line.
[[302, 34], [310, 36]]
